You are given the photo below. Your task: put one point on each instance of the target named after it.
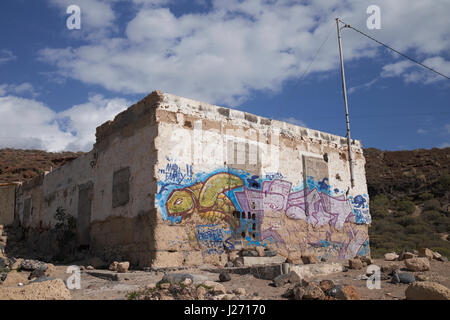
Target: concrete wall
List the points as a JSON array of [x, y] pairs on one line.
[[173, 181], [229, 180], [7, 203]]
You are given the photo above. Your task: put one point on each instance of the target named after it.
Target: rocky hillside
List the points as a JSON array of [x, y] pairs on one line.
[[409, 193], [21, 165]]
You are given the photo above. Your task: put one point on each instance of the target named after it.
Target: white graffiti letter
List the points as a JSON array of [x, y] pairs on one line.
[[373, 282], [374, 20], [74, 20], [74, 280]]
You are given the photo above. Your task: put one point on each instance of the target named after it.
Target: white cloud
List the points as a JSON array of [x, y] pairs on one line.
[[30, 124], [221, 56], [444, 145], [422, 131], [25, 88], [6, 56], [414, 73]]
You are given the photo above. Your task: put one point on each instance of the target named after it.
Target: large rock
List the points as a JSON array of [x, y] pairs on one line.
[[31, 265], [355, 263], [312, 270], [309, 292], [260, 251], [310, 258], [123, 267], [46, 290], [391, 256], [427, 291], [417, 264], [224, 276], [426, 253], [326, 285], [282, 279], [391, 268], [176, 277], [347, 293], [408, 255], [403, 277]]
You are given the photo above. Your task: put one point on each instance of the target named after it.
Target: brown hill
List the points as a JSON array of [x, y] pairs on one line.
[[21, 165]]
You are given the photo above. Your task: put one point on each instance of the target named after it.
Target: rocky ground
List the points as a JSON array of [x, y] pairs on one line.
[[31, 279]]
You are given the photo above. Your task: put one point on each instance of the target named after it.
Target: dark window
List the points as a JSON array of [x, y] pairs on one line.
[[121, 187]]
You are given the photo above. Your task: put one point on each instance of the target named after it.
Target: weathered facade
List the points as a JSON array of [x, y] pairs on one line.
[[173, 181]]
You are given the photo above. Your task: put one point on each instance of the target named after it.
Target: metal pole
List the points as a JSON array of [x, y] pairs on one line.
[[344, 89]]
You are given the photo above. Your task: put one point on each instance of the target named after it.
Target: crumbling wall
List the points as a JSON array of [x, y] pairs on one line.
[[228, 180], [123, 209]]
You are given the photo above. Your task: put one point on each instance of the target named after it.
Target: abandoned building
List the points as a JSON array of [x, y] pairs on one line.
[[176, 182]]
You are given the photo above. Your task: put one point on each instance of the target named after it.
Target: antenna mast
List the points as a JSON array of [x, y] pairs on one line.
[[344, 89]]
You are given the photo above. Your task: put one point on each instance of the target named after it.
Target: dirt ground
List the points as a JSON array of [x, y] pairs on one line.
[[109, 285]]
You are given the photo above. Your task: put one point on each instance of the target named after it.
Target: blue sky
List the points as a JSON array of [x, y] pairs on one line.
[[57, 85]]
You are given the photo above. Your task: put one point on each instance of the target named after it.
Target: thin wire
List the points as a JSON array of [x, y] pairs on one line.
[[398, 52], [308, 67]]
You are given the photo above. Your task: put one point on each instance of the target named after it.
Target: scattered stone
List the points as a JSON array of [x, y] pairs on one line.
[[362, 277], [164, 285], [270, 253], [176, 277], [417, 264], [289, 293], [443, 259], [15, 263], [366, 260], [426, 253], [239, 291], [310, 258], [187, 282], [391, 256], [309, 292], [347, 293], [355, 263], [31, 265], [323, 259], [238, 263], [90, 268], [389, 269], [260, 251], [344, 269], [224, 276], [229, 264], [326, 285], [422, 277], [427, 291], [333, 291], [408, 255], [219, 289], [113, 266], [249, 253], [404, 277], [282, 279], [123, 267]]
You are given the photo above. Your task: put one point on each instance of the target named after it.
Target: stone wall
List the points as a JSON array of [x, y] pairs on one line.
[[173, 181], [229, 180]]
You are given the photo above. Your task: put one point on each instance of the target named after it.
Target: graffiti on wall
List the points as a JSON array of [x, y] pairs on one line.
[[232, 207]]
